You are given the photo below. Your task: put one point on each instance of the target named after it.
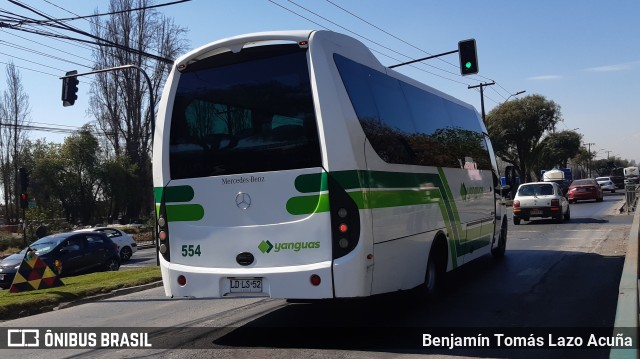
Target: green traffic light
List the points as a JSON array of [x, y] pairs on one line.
[[468, 64]]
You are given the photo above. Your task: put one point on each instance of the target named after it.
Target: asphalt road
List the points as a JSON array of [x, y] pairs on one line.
[[553, 276]]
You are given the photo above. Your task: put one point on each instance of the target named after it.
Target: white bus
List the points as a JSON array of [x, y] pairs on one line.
[[292, 164]]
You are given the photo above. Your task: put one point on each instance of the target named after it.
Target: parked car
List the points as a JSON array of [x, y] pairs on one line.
[[584, 189], [127, 246], [541, 200], [606, 183], [67, 254]]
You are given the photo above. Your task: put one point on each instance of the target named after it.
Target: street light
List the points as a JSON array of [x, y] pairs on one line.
[[515, 94]]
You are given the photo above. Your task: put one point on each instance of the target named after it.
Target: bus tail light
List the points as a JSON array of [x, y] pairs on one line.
[[315, 280], [162, 231], [345, 220], [182, 280]]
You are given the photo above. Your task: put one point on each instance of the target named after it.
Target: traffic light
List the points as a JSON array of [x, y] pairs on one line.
[[24, 200], [70, 89], [24, 179], [468, 57]]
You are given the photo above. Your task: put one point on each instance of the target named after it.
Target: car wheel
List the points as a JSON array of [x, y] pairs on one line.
[[516, 220], [613, 191], [599, 199], [125, 253], [112, 264], [567, 216]]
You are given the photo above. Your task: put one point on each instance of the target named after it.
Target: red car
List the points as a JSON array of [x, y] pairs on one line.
[[584, 189]]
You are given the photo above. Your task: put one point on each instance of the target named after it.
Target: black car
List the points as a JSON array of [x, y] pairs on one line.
[[67, 254]]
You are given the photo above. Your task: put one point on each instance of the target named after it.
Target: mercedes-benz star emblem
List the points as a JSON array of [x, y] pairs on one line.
[[243, 200]]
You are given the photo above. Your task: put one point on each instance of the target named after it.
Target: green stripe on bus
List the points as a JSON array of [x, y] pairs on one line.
[[385, 190], [184, 212], [375, 199], [174, 194], [309, 183], [454, 218], [308, 204]]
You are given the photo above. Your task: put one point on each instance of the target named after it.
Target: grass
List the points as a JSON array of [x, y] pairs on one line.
[[15, 305]]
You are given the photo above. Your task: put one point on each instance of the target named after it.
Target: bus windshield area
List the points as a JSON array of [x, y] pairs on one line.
[[244, 112]]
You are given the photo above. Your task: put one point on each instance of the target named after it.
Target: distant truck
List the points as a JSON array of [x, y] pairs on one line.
[[559, 176], [617, 176], [631, 175]]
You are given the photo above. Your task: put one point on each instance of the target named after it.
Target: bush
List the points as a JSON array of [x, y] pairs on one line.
[[9, 244]]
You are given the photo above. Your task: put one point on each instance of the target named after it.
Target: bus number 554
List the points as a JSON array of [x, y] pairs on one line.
[[190, 250]]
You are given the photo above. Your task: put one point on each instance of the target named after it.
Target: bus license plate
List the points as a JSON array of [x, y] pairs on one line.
[[245, 285]]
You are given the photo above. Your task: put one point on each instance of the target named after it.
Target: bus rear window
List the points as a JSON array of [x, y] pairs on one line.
[[244, 112]]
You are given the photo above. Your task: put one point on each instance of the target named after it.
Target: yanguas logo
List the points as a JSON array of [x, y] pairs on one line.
[[267, 246]]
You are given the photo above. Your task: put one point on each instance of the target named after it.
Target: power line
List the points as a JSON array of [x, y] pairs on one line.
[[79, 17], [45, 45], [43, 54], [97, 40], [369, 40]]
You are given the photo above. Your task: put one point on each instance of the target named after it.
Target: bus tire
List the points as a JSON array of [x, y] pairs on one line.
[[436, 268], [498, 251]]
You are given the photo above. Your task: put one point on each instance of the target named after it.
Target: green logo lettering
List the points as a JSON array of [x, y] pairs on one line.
[[266, 246]]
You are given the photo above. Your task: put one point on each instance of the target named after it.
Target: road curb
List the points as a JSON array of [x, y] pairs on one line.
[[627, 311], [113, 293]]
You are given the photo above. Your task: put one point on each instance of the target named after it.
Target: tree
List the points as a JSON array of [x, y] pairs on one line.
[[44, 161], [120, 100], [582, 159], [119, 172], [556, 149], [517, 127], [68, 178], [14, 114]]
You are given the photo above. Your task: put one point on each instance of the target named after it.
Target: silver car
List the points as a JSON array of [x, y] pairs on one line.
[[127, 246], [606, 184]]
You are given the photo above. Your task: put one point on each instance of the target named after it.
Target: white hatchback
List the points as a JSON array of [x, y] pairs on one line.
[[541, 200], [127, 246], [606, 184]]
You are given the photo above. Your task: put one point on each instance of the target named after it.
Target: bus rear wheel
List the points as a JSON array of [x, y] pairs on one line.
[[436, 268]]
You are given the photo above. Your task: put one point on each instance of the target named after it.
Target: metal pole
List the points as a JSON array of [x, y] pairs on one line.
[[153, 128], [482, 85], [424, 58]]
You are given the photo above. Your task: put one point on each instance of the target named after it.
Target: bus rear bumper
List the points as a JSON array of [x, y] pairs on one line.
[[292, 282]]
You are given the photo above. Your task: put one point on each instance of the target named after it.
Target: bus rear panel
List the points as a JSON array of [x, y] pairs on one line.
[[246, 209]]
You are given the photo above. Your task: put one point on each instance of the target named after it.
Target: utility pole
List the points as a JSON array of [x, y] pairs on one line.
[[590, 154], [482, 85]]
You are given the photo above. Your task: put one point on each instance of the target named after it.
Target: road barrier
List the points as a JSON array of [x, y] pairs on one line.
[[631, 197], [628, 305]]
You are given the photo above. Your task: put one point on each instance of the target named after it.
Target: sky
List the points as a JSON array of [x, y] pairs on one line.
[[583, 55]]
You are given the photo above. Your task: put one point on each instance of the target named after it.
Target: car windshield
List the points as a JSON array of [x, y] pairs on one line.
[[602, 179], [44, 245], [536, 190]]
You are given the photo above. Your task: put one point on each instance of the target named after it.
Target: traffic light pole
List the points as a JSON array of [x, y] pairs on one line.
[[153, 124], [124, 67], [424, 58], [468, 57]]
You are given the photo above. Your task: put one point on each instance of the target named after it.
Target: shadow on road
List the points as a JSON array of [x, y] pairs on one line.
[[527, 292]]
